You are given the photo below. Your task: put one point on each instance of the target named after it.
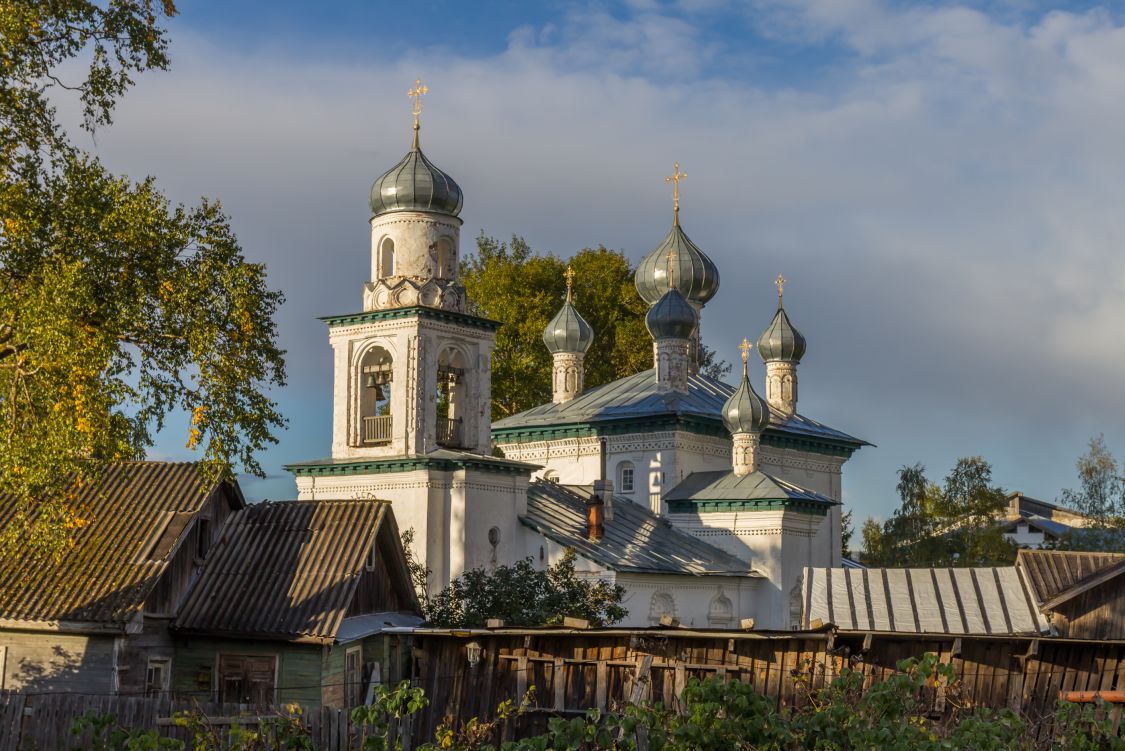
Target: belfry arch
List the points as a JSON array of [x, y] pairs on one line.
[[375, 381]]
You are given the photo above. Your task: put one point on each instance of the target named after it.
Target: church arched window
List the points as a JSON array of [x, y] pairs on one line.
[[386, 257], [661, 604], [375, 375], [625, 477]]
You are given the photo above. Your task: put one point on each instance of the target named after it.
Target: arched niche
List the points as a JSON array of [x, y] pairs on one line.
[[721, 612], [660, 605], [375, 376], [445, 259], [386, 257]]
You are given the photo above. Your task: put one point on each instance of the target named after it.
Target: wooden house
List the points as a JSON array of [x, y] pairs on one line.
[[1081, 594], [95, 619], [293, 607]]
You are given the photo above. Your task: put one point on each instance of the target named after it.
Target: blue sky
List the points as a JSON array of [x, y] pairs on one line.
[[940, 182]]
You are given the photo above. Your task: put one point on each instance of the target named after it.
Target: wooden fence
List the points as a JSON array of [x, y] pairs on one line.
[[573, 670]]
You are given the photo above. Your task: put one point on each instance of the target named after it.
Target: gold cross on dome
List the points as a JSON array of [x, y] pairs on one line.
[[780, 282], [569, 281], [675, 178], [745, 347], [670, 269], [416, 94]]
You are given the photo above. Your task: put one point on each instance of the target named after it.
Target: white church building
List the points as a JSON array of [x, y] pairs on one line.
[[702, 499]]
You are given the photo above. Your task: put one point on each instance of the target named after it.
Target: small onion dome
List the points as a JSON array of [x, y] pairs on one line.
[[781, 341], [568, 332], [696, 275], [671, 317], [745, 411], [416, 184]]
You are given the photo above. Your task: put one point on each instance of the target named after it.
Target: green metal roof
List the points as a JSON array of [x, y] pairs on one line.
[[441, 459], [725, 491]]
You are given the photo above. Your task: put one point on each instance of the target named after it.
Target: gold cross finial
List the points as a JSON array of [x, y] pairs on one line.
[[675, 178], [670, 269], [780, 282], [746, 346], [569, 281], [416, 94]]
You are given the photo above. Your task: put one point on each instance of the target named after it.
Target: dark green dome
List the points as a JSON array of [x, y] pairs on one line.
[[696, 275], [671, 317], [745, 411], [415, 184], [568, 331], [781, 341]]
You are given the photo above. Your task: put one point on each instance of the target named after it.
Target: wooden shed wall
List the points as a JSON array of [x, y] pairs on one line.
[[299, 667], [43, 661], [1096, 614]]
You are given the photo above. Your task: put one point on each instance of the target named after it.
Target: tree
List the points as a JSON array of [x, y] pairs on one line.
[[116, 307], [510, 283], [522, 595], [1101, 488], [953, 524]]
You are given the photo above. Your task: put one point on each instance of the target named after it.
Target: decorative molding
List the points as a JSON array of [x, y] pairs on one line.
[[408, 464], [415, 311]]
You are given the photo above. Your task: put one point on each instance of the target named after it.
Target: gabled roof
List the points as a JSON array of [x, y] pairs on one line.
[[639, 396], [290, 569], [137, 514], [1055, 576], [635, 540], [723, 485], [921, 600], [1046, 526]]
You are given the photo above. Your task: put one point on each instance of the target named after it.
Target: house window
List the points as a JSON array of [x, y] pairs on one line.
[[353, 676], [372, 558], [625, 477], [248, 679], [157, 675]]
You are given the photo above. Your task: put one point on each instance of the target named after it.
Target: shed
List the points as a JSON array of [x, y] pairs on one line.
[[1081, 594], [293, 606], [96, 618]]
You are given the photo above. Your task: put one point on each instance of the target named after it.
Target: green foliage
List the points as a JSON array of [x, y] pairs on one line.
[[522, 595], [116, 307], [379, 722], [100, 732], [952, 524], [419, 573], [1101, 497], [510, 283]]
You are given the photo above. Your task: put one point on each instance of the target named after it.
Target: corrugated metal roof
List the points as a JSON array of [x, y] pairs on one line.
[[639, 396], [1051, 572], [921, 600], [635, 540], [106, 576], [285, 569], [723, 485]]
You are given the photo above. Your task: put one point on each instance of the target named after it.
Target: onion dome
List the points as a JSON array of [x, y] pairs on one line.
[[416, 184], [671, 317], [696, 275], [568, 331], [781, 341], [745, 411]]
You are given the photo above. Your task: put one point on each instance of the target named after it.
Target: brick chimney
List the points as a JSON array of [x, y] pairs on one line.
[[595, 518]]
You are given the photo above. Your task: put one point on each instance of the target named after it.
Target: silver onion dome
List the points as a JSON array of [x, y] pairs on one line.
[[696, 276], [415, 184], [671, 317], [745, 411], [781, 341], [568, 331]]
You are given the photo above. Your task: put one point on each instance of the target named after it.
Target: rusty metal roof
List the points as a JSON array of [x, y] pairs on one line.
[[921, 600], [136, 512], [635, 540], [1049, 573], [288, 569]]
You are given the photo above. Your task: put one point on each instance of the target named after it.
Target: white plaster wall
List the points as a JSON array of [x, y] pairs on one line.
[[415, 235], [1026, 537], [450, 513]]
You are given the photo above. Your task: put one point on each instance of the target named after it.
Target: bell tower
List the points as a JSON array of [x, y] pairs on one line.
[[411, 393]]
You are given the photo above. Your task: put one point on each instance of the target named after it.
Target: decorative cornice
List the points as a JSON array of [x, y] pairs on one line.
[[406, 464], [773, 504], [686, 423], [419, 311]]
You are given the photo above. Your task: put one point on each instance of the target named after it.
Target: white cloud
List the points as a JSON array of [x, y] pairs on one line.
[[946, 199]]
